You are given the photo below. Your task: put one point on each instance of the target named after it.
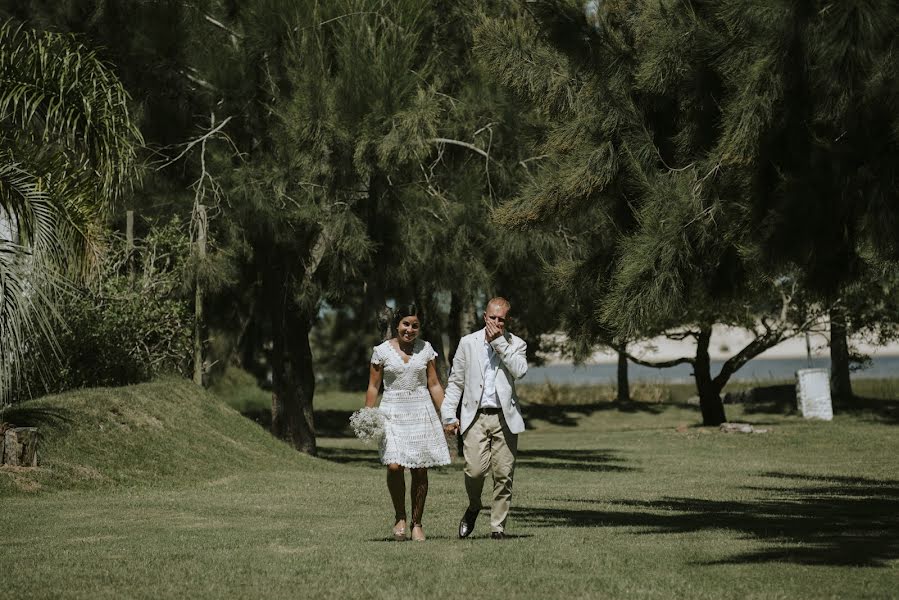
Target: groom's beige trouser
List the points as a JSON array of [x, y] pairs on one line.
[[489, 447]]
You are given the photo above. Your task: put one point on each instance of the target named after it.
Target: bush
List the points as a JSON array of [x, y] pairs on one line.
[[132, 324]]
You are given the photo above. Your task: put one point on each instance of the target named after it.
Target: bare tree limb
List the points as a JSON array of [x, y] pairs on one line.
[[523, 162], [200, 82], [200, 140], [750, 351], [316, 255], [663, 364], [223, 27], [681, 335], [337, 18], [489, 128], [471, 147], [435, 193]]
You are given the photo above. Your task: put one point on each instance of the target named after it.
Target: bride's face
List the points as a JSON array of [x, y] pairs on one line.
[[407, 330]]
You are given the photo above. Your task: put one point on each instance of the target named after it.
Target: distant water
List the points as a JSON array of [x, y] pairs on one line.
[[758, 369]]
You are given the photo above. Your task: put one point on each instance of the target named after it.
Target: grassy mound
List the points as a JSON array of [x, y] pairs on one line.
[[168, 431]]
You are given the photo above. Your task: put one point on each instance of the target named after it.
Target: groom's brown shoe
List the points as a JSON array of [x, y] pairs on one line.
[[466, 525]]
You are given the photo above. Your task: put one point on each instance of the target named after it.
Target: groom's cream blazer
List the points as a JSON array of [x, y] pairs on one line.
[[466, 380]]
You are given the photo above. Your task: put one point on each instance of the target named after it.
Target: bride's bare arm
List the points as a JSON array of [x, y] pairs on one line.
[[374, 385], [434, 386]]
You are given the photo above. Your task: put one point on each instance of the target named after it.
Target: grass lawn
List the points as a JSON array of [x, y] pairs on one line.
[[161, 490]]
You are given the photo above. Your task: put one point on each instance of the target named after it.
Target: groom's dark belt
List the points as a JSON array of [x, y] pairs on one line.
[[490, 410]]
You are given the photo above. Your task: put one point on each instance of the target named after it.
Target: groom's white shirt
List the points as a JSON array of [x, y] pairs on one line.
[[491, 366], [466, 380]]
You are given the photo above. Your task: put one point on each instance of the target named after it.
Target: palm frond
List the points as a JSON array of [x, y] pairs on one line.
[[55, 90], [68, 151], [27, 312], [27, 211]]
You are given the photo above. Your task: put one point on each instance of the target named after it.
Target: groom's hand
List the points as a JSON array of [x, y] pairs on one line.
[[492, 331]]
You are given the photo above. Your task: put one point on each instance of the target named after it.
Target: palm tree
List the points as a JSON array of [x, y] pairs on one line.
[[68, 149]]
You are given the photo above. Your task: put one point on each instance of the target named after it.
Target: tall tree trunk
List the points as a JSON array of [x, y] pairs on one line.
[[624, 391], [840, 384], [129, 245], [709, 390], [199, 317], [293, 376], [460, 321], [433, 334]]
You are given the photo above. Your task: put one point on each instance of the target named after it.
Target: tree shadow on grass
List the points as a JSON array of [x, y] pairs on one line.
[[336, 423], [259, 416], [37, 416], [875, 409], [333, 423], [351, 456], [328, 423], [781, 400], [475, 537], [597, 461], [822, 521], [600, 461], [568, 415], [771, 399]]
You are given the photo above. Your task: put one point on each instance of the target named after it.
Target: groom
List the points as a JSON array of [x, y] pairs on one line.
[[485, 367]]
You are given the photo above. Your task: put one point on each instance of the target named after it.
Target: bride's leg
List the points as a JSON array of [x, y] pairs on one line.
[[396, 485], [419, 495]]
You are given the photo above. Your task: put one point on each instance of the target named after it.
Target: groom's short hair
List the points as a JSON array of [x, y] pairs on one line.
[[500, 301]]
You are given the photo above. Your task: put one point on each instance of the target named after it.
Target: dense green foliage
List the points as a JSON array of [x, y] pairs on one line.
[[67, 152], [131, 324], [720, 149], [689, 165], [737, 139], [373, 154], [354, 155]]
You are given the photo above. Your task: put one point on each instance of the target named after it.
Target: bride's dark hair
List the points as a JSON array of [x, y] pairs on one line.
[[401, 312]]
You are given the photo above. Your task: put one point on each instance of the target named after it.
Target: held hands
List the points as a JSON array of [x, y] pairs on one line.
[[452, 428]]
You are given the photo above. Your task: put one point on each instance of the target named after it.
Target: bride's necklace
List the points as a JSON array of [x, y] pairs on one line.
[[407, 349]]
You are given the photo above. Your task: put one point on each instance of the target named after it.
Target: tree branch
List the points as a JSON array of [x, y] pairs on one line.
[[337, 18], [659, 364], [681, 335], [316, 255], [223, 27], [471, 147], [200, 82], [750, 351], [200, 140]]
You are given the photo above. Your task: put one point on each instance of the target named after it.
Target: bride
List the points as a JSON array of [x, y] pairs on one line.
[[413, 436]]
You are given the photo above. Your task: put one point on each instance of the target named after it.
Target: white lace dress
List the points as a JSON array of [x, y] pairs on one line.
[[413, 435]]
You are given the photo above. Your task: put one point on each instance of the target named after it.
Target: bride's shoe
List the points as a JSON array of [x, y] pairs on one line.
[[399, 531], [418, 534]]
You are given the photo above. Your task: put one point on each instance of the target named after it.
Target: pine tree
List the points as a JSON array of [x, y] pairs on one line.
[[435, 243], [866, 309], [725, 144], [371, 153]]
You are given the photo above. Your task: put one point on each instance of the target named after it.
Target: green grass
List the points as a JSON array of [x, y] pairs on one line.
[[609, 503], [162, 433]]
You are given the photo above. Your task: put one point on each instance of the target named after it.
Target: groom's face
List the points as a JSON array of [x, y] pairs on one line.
[[496, 314]]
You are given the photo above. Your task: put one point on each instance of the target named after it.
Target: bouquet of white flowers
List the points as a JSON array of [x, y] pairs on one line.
[[368, 424]]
